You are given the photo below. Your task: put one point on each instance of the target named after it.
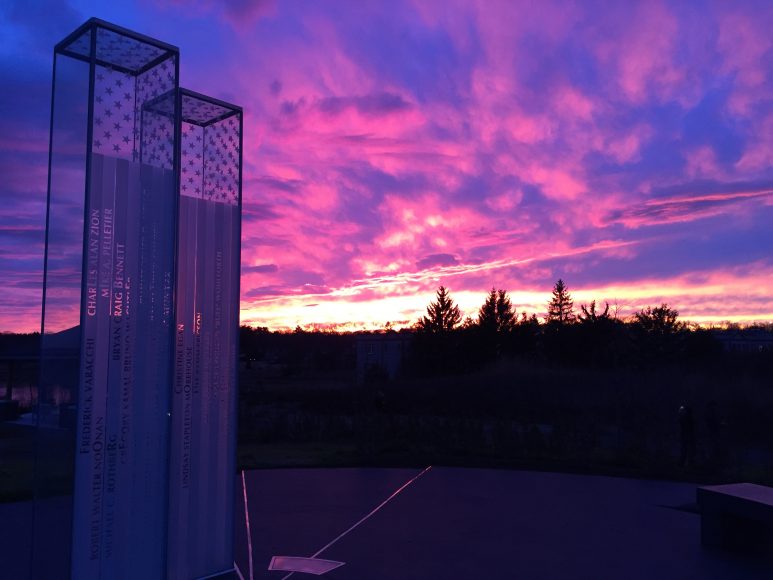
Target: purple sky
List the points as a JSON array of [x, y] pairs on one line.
[[393, 146]]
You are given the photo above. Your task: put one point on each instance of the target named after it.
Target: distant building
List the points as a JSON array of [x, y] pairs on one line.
[[745, 339], [382, 354]]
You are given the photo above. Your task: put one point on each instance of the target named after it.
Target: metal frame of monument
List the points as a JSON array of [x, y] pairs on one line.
[[110, 442]]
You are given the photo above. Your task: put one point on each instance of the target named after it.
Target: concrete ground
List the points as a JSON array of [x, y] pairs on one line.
[[480, 523], [452, 523]]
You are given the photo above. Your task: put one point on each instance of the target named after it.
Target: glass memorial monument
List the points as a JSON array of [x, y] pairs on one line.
[[135, 418], [203, 443]]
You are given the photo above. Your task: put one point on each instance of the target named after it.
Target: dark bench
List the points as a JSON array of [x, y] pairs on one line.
[[736, 516]]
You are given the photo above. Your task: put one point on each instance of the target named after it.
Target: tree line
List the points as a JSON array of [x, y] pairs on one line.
[[593, 336]]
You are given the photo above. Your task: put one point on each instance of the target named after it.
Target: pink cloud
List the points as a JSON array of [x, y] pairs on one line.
[[626, 148], [688, 208], [643, 52], [424, 225], [702, 163], [529, 129], [556, 183], [505, 202], [758, 156], [745, 44], [571, 103]]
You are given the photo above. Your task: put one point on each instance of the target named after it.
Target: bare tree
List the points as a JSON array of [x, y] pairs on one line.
[[590, 316]]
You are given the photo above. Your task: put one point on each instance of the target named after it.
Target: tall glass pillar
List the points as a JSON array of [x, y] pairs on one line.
[[107, 326], [203, 438]]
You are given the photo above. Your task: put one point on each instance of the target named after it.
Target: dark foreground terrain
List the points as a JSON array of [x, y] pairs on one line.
[[455, 523], [518, 414]]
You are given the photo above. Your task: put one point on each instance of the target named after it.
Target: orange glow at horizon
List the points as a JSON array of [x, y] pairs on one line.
[[717, 299]]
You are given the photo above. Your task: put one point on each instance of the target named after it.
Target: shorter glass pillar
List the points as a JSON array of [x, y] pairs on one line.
[[203, 435]]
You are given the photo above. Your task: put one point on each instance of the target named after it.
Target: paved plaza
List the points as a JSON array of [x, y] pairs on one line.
[[454, 523], [480, 523]]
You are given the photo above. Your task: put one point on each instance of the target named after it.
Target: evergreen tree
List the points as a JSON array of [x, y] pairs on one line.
[[487, 315], [496, 314], [561, 305], [506, 316], [442, 315]]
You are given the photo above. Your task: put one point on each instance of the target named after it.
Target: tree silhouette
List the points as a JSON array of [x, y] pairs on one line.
[[661, 320], [442, 315], [590, 316], [506, 316], [496, 314], [525, 333], [561, 305], [487, 315], [599, 339], [658, 335]]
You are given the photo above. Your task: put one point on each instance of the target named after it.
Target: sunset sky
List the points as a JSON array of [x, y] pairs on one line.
[[626, 147]]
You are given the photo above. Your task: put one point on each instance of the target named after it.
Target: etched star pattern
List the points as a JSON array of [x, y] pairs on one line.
[[157, 128], [128, 52], [131, 119], [118, 101], [114, 114], [117, 50], [201, 112], [192, 160], [210, 161], [221, 161], [81, 45]]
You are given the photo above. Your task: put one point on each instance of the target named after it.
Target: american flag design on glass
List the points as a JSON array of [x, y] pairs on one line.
[[124, 125], [210, 152]]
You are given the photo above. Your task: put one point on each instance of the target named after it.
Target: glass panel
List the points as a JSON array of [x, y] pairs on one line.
[[127, 331], [60, 341], [81, 45], [118, 50], [204, 402], [108, 309], [200, 112]]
